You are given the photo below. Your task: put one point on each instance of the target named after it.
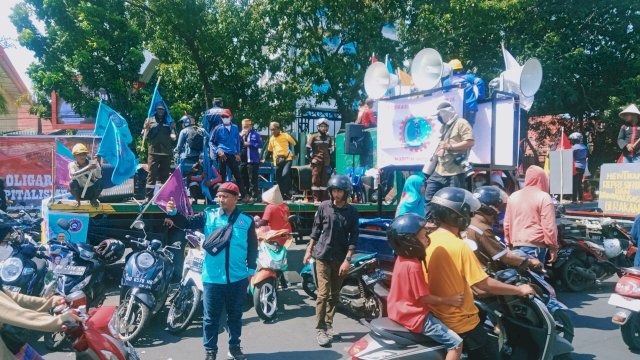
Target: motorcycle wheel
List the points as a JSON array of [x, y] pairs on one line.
[[309, 286], [182, 309], [571, 279], [265, 299], [54, 341], [374, 308], [130, 327], [631, 332], [562, 317]]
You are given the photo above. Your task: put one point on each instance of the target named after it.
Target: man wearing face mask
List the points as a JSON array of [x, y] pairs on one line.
[[161, 135], [320, 146], [225, 144], [456, 138]]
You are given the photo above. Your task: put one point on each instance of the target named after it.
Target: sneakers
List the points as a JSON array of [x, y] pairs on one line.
[[323, 338], [211, 355], [235, 353], [332, 334]]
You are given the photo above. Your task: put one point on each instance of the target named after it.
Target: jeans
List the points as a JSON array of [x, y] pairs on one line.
[[283, 178], [437, 182], [329, 285], [532, 251], [249, 172], [439, 332], [216, 297], [233, 166]]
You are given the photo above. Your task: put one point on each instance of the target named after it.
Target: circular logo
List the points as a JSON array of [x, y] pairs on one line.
[[75, 225], [415, 132]]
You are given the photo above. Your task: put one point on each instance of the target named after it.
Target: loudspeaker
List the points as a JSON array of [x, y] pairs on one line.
[[301, 177], [355, 140], [523, 81], [377, 80], [148, 67], [427, 68]]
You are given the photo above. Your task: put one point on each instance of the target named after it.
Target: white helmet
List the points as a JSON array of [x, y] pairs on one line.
[[576, 137], [612, 248]]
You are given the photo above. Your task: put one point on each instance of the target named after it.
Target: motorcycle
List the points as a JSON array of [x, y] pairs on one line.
[[513, 319], [144, 286], [363, 290], [593, 254], [627, 301], [272, 262], [558, 310], [187, 300]]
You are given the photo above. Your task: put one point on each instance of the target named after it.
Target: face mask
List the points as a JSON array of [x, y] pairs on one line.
[[226, 121], [440, 119]]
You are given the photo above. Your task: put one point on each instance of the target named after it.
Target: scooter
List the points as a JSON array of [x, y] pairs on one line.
[[363, 291], [272, 262], [514, 319], [144, 286], [25, 268], [627, 301], [188, 298]]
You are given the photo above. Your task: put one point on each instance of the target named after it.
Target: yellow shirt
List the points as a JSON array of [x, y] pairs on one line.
[[279, 146], [452, 268]]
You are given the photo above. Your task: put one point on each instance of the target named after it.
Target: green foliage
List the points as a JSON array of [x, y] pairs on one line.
[[3, 105]]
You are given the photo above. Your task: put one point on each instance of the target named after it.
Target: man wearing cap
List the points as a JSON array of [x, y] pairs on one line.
[[84, 172], [161, 135], [456, 139], [473, 88], [250, 145], [225, 276], [190, 143], [320, 147], [225, 145], [281, 148], [630, 134]]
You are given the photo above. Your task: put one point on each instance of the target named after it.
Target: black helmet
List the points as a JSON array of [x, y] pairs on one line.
[[110, 250], [492, 199], [186, 120], [454, 207], [401, 235], [342, 182]]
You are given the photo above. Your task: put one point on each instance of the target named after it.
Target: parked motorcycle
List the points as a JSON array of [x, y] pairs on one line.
[[272, 262], [187, 300], [144, 287], [363, 290], [513, 319], [627, 301]]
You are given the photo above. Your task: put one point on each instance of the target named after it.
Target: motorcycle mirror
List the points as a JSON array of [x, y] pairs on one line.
[[177, 244], [138, 224]]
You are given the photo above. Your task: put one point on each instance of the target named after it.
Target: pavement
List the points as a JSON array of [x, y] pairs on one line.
[[292, 335]]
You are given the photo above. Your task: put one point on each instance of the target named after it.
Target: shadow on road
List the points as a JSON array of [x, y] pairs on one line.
[[296, 355], [591, 322]]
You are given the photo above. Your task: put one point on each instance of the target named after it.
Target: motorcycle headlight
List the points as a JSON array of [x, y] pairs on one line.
[[79, 286], [11, 269], [145, 260]]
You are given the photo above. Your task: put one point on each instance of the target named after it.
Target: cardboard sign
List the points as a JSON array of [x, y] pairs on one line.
[[620, 189]]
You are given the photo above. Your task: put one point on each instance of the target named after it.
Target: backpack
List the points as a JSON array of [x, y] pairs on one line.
[[195, 139]]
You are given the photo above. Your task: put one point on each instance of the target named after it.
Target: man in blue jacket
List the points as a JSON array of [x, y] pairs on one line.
[[473, 89], [225, 144], [225, 276], [250, 146]]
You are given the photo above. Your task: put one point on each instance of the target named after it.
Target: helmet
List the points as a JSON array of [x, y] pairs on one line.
[[79, 149], [186, 120], [342, 182], [456, 64], [612, 248], [575, 138], [110, 250], [322, 121], [454, 206], [492, 199], [401, 235]]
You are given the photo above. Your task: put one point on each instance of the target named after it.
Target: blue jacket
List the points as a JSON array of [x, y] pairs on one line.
[[469, 82], [580, 153], [412, 200], [227, 140], [250, 154]]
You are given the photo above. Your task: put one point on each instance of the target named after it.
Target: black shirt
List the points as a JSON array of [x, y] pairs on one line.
[[335, 231]]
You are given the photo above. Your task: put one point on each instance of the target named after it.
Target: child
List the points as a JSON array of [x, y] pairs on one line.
[[409, 298]]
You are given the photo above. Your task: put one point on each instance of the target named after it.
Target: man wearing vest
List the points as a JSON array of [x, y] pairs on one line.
[[225, 276], [320, 147], [629, 135], [161, 135]]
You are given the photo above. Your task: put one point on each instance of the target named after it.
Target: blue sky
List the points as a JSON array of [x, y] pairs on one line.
[[20, 57]]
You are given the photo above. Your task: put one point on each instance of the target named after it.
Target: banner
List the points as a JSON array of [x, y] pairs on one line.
[[78, 226], [408, 131], [620, 189]]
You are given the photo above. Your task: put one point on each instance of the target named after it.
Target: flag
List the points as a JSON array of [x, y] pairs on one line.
[[510, 62], [387, 61], [405, 79], [63, 158], [512, 67], [174, 188], [157, 98], [373, 58], [212, 175], [114, 147]]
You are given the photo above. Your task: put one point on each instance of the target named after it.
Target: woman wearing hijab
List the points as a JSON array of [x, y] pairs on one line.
[[412, 200]]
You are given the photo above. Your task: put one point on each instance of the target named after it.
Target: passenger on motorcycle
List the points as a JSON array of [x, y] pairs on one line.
[[452, 268], [276, 213], [409, 296], [493, 255]]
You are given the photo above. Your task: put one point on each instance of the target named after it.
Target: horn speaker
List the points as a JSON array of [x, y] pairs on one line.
[[426, 69]]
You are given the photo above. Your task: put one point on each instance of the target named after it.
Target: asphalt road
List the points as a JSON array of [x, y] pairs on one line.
[[292, 335]]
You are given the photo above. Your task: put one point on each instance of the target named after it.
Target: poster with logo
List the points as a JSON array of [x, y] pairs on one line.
[[78, 226], [408, 130]]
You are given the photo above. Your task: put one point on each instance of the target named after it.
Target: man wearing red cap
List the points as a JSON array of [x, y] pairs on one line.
[[225, 145], [224, 275]]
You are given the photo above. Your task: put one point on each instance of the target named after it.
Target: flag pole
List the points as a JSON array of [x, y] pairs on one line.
[[146, 206], [53, 170], [561, 164]]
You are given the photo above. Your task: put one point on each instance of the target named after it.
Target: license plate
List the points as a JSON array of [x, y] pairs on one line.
[[138, 282], [565, 252], [69, 270], [625, 302], [11, 288], [373, 277]]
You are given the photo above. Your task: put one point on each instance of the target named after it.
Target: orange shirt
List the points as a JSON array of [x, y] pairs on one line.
[[407, 287]]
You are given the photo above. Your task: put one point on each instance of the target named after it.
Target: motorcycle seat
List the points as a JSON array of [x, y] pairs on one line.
[[391, 330]]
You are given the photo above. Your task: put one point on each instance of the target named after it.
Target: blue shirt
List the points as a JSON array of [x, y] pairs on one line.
[[227, 140], [580, 153], [250, 154], [468, 82]]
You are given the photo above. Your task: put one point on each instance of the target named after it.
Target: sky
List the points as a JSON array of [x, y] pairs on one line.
[[20, 57]]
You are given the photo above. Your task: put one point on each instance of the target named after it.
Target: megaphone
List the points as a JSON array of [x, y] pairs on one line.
[[426, 69], [524, 80], [377, 80]]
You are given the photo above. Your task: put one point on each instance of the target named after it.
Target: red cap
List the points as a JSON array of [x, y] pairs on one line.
[[225, 113], [229, 188]]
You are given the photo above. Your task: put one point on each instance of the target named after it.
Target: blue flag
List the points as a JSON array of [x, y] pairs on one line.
[[63, 150], [157, 98], [114, 147]]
